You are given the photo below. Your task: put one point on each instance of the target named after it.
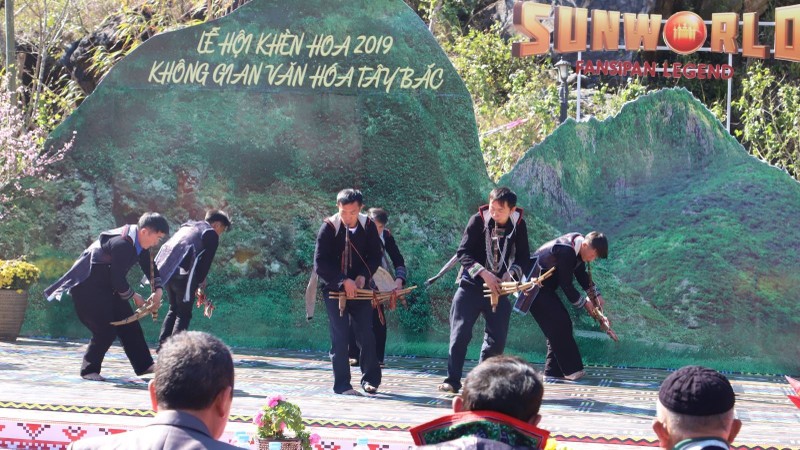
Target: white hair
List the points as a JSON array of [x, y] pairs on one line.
[[684, 425]]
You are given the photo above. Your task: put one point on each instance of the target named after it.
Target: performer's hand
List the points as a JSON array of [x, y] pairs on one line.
[[199, 293], [349, 287], [600, 301], [157, 296], [589, 307], [138, 300], [360, 281], [491, 281], [398, 283]]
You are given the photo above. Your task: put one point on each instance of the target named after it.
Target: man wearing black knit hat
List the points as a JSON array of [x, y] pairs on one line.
[[695, 411]]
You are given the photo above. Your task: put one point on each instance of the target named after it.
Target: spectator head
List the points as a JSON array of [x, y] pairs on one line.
[[219, 220], [194, 374], [695, 402], [504, 384], [349, 202], [595, 245], [153, 227]]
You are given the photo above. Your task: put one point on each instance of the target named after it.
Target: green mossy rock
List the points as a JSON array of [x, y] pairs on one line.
[[702, 235], [274, 153]]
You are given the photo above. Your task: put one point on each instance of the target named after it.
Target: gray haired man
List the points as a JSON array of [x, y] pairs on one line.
[[695, 411]]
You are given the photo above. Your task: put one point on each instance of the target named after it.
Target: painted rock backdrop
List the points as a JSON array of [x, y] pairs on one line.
[[270, 111]]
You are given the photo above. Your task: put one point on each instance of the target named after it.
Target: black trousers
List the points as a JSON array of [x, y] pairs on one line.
[[563, 356], [468, 304], [180, 312], [378, 330], [360, 313], [97, 305]]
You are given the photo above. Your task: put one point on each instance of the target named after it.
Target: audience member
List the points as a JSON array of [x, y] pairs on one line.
[[694, 411], [498, 409], [191, 392]]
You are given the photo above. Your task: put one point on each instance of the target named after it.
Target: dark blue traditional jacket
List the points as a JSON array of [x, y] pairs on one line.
[[563, 253], [188, 254], [392, 252], [100, 252], [475, 252], [341, 254]]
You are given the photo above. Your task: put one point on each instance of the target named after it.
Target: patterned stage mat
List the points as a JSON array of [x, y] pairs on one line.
[[43, 400]]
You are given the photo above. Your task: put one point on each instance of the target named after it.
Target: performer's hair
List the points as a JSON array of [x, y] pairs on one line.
[[347, 196], [154, 221], [598, 241], [503, 195], [193, 368], [215, 215], [379, 215], [504, 384]]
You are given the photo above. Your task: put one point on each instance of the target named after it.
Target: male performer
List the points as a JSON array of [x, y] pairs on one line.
[[100, 291], [390, 249], [569, 254], [347, 253], [494, 248], [183, 262]]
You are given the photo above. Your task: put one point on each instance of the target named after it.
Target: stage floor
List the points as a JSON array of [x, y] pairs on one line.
[[45, 404]]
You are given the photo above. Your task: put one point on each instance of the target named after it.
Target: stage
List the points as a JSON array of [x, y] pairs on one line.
[[44, 404]]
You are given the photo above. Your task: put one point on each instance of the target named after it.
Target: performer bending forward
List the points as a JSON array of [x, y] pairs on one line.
[[100, 291], [569, 254], [184, 261], [347, 253], [494, 248]]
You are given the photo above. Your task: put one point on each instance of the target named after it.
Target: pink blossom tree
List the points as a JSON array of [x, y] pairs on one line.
[[22, 152]]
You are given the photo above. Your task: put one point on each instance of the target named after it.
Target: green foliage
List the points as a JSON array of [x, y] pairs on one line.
[[504, 89], [607, 101], [771, 125], [134, 25], [55, 103], [279, 416]]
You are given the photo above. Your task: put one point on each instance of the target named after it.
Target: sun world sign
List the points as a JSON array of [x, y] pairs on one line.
[[683, 33]]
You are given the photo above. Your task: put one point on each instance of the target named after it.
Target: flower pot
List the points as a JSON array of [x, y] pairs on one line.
[[12, 313], [286, 444]]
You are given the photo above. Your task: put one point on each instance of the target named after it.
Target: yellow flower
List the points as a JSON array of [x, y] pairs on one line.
[[17, 274], [553, 444]]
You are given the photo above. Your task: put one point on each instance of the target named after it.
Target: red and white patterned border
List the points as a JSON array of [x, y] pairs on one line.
[[34, 435]]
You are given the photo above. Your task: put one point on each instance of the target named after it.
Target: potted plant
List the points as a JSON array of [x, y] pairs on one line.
[[16, 276], [281, 421]]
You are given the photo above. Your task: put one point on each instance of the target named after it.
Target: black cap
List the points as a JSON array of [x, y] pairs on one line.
[[696, 391]]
